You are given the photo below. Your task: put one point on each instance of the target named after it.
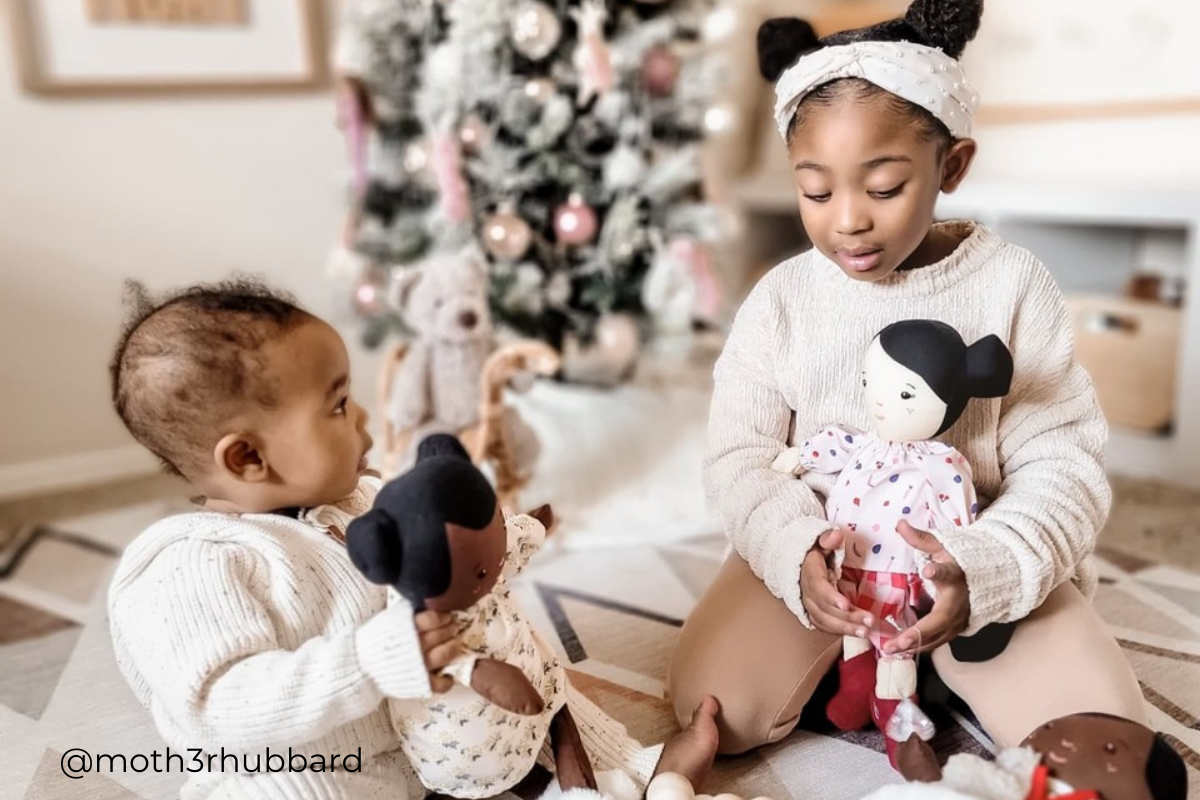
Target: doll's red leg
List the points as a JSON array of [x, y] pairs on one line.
[[850, 708]]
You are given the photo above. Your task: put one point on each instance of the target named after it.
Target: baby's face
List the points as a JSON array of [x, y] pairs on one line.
[[900, 405], [314, 439]]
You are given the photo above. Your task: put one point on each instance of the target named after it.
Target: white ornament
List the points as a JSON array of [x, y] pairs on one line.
[[536, 30]]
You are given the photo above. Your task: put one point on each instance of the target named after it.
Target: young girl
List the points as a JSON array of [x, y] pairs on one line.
[[877, 122]]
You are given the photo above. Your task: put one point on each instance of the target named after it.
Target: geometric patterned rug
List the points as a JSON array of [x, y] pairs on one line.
[[612, 612]]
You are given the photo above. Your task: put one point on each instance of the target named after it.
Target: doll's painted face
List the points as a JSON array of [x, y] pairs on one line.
[[476, 559], [1097, 751], [900, 405]]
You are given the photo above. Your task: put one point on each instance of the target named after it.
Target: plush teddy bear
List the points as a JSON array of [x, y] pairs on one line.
[[432, 383], [437, 536], [917, 377]]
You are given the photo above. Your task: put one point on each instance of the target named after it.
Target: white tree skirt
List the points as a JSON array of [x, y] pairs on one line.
[[623, 465]]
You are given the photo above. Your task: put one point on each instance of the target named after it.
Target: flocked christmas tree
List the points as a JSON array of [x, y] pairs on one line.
[[563, 137]]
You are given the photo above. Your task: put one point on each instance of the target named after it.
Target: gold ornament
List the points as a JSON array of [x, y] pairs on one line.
[[505, 235], [540, 89]]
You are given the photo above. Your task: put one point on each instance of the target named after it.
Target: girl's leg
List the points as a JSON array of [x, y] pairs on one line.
[[742, 645], [1061, 660]]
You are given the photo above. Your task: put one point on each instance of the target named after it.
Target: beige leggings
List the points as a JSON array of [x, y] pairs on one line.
[[742, 645]]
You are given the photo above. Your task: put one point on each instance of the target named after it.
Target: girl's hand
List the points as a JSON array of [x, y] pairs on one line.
[[951, 610], [826, 607], [440, 645]]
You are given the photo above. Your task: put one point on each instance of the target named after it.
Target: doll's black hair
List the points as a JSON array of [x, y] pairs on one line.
[[945, 24], [1165, 773], [402, 540], [955, 372]]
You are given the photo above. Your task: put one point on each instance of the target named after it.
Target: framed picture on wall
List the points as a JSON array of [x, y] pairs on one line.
[[82, 47], [1035, 60]]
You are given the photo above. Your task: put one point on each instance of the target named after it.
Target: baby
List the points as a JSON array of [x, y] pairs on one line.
[[243, 626]]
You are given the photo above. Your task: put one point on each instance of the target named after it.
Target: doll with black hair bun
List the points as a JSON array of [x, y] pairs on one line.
[[917, 378], [437, 536]]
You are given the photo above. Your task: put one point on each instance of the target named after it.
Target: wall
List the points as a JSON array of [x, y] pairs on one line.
[[169, 190], [1144, 153]]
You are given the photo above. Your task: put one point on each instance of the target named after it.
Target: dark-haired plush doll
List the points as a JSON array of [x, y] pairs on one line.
[[1076, 757], [916, 380], [437, 536]]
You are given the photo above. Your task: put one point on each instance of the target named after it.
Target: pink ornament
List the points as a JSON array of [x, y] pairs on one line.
[[660, 70], [352, 118], [447, 170], [368, 293], [700, 269], [575, 221]]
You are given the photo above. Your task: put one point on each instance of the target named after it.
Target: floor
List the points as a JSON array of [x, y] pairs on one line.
[[613, 609]]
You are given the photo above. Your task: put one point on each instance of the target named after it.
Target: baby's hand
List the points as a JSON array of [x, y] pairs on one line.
[[788, 462], [828, 610], [440, 645]]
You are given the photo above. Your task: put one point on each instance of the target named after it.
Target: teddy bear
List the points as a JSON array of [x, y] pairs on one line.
[[431, 384]]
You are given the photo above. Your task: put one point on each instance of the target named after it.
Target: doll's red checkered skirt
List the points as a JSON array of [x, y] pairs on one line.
[[882, 595]]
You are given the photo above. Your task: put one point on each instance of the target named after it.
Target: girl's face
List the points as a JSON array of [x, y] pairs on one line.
[[867, 184], [900, 405]]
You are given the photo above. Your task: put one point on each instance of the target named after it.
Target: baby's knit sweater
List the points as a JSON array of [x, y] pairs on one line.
[[791, 366], [246, 632]]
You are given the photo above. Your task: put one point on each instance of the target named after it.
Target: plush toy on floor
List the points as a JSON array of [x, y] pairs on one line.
[[437, 536], [917, 378], [1077, 757], [452, 377]]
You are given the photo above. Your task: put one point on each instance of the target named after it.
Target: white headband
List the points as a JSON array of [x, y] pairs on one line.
[[922, 75]]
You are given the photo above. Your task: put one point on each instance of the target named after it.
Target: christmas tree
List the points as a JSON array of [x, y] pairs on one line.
[[563, 137]]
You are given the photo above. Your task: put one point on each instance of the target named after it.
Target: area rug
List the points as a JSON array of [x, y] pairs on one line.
[[612, 612]]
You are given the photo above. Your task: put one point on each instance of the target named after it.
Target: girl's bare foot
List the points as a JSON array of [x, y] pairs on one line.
[[691, 752]]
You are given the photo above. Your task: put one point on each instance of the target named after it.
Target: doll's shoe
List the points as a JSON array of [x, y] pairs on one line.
[[881, 712], [850, 708]]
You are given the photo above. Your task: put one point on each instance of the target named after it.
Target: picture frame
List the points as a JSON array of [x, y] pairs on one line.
[[94, 47], [1034, 61]]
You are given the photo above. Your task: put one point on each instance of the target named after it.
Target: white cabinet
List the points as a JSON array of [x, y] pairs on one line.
[[1092, 239]]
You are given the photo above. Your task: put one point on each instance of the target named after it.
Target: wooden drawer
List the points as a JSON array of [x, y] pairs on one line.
[[1131, 350]]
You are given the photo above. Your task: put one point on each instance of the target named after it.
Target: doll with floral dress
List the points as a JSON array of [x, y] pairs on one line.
[[917, 378]]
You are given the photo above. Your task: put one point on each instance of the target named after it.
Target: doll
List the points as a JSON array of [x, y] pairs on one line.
[[1076, 757], [438, 538], [917, 377]]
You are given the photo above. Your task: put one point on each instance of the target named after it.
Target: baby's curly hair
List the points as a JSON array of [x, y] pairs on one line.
[[187, 362]]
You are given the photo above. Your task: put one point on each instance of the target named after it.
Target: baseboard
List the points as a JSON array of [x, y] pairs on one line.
[[73, 471]]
